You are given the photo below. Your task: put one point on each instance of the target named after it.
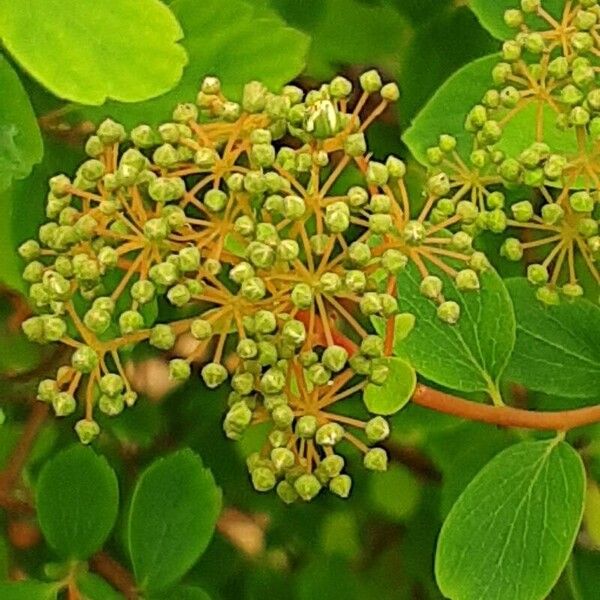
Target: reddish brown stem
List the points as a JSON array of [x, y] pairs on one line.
[[17, 461], [115, 573], [505, 416]]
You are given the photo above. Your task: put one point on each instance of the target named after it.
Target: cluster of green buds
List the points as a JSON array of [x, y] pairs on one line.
[[232, 224], [543, 197]]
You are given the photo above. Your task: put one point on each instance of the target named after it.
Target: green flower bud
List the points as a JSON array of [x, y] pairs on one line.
[[110, 132], [379, 372], [87, 430], [581, 202], [372, 346], [179, 295], [380, 223], [33, 272], [318, 374], [377, 174], [335, 358], [547, 296], [337, 217], [286, 492], [370, 81], [261, 255], [329, 434], [302, 296], [47, 389], [273, 381], [370, 304], [390, 92], [431, 287], [112, 384], [522, 211], [97, 320], [142, 136], [511, 249], [572, 290], [376, 459], [537, 274], [357, 197], [165, 273], [156, 229], [288, 250], [377, 429], [93, 146], [254, 97], [294, 332], [361, 365], [29, 250], [587, 227], [166, 189], [467, 280], [449, 312], [63, 404], [307, 486], [282, 416], [84, 359], [243, 383], [213, 374], [162, 337], [179, 370], [355, 144], [111, 406], [341, 486], [582, 41], [253, 289], [263, 479], [282, 458], [143, 291], [355, 281]]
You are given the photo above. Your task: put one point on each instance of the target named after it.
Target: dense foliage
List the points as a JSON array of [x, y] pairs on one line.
[[346, 252]]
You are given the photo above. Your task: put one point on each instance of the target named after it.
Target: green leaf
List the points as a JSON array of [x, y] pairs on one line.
[[352, 33], [557, 349], [448, 108], [396, 493], [491, 16], [510, 534], [20, 139], [183, 592], [397, 390], [77, 501], [173, 513], [90, 50], [470, 355], [232, 40], [29, 590], [92, 587]]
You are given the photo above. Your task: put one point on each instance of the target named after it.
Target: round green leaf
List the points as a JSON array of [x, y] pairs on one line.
[[397, 390], [233, 40], [510, 533], [470, 355], [172, 518], [20, 138], [557, 349], [90, 50], [77, 501]]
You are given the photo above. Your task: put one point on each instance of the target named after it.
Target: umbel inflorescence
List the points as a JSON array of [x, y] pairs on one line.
[[267, 227], [535, 134]]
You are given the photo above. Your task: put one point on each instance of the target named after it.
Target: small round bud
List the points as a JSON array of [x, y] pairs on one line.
[[130, 321], [512, 249], [87, 430], [112, 384], [111, 405], [377, 429], [335, 358], [537, 274], [282, 416], [522, 211], [63, 404], [294, 332], [162, 337], [179, 370], [84, 359], [372, 346], [390, 92], [179, 295], [329, 434], [263, 479], [110, 132], [286, 492], [307, 486], [449, 312], [370, 81], [355, 144], [467, 280], [213, 374], [376, 459], [581, 202], [143, 291], [431, 287], [341, 486]]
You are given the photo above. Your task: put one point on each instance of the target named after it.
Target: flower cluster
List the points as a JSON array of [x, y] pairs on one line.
[[545, 91], [239, 215]]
